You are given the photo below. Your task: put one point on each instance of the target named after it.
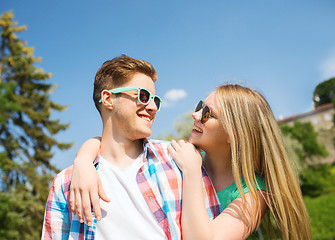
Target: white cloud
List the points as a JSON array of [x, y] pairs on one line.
[[175, 95], [172, 96], [328, 67]]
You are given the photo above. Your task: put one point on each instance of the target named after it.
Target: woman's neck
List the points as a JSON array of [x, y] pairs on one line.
[[218, 166]]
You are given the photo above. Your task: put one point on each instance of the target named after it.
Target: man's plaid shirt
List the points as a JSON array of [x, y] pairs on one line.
[[160, 182]]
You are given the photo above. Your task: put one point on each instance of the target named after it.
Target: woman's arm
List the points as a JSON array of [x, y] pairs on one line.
[[195, 221], [238, 221], [85, 183], [232, 223]]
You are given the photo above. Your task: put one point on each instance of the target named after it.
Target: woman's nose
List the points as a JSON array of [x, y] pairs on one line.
[[196, 115]]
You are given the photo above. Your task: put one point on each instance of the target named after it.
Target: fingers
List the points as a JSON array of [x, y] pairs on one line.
[[102, 193], [79, 207], [175, 149], [96, 206], [85, 196], [181, 143], [96, 202], [80, 203], [72, 201], [172, 148], [175, 145]]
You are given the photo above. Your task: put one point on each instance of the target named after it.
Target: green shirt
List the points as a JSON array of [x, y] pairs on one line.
[[231, 192]]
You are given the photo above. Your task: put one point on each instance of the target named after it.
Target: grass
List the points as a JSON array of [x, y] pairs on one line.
[[322, 214]]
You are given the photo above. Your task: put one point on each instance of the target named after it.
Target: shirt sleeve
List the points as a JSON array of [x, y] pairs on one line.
[[57, 222], [211, 200], [259, 180]]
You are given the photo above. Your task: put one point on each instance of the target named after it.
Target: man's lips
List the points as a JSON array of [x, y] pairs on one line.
[[146, 117]]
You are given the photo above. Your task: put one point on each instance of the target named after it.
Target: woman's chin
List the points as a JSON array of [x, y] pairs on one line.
[[194, 141], [191, 140]]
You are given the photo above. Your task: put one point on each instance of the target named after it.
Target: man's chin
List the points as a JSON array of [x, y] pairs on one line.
[[146, 134]]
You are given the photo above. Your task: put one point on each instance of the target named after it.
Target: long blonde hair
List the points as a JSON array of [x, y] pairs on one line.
[[257, 147]]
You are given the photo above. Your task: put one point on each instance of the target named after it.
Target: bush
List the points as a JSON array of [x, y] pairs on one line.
[[317, 180]]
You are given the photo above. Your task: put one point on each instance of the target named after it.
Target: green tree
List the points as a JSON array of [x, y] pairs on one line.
[[314, 176], [305, 134], [324, 92], [183, 126], [295, 153], [317, 180], [26, 135]]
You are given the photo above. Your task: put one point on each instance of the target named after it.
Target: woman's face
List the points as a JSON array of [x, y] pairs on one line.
[[209, 135]]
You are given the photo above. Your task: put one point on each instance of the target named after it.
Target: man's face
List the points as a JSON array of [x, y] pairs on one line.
[[131, 119]]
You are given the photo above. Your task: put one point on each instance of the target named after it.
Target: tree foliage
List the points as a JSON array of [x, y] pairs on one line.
[[324, 92], [315, 177], [295, 153], [183, 126], [307, 137], [26, 134], [318, 180]]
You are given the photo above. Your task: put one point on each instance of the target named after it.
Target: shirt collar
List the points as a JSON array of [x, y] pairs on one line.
[[149, 149]]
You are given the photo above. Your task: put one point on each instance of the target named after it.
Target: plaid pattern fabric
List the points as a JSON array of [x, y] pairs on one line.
[[160, 182]]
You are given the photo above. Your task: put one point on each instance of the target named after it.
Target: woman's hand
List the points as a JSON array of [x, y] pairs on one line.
[[186, 155], [85, 189], [86, 186]]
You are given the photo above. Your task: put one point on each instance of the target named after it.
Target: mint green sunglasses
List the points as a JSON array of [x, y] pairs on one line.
[[143, 95]]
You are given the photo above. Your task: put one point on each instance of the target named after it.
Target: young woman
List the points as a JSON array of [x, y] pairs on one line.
[[246, 160]]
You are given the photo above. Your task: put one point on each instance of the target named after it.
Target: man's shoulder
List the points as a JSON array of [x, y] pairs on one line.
[[159, 148], [159, 143], [63, 179]]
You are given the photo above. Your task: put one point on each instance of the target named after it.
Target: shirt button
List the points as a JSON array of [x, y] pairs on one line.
[[168, 229]]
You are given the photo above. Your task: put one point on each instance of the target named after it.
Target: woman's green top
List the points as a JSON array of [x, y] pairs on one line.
[[231, 192]]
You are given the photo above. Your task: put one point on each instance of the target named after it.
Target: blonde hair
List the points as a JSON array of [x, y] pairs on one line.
[[257, 147]]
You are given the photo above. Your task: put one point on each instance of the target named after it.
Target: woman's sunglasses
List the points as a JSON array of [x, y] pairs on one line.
[[206, 111], [143, 95]]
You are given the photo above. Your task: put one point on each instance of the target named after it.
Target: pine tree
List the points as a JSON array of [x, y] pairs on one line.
[[26, 135]]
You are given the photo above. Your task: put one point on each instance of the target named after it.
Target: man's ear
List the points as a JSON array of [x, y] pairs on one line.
[[107, 99]]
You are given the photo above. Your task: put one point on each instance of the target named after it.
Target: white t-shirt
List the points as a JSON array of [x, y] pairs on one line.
[[127, 215]]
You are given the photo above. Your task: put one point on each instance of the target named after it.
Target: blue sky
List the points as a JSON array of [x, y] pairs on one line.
[[281, 48]]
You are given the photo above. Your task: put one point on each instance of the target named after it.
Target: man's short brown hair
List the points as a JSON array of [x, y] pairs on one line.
[[116, 72]]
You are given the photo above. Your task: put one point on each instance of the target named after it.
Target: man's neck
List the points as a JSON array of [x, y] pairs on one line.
[[119, 151]]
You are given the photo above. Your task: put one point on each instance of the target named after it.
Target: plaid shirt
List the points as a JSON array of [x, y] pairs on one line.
[[160, 182]]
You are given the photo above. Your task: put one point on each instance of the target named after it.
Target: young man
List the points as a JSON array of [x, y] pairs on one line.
[[139, 176]]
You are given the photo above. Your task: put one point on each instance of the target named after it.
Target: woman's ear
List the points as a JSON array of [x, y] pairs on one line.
[[107, 99]]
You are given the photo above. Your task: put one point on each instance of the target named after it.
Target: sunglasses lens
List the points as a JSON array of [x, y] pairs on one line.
[[157, 102], [199, 106], [205, 114], [144, 96]]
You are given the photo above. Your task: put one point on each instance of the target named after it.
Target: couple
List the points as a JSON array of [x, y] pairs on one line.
[[146, 195]]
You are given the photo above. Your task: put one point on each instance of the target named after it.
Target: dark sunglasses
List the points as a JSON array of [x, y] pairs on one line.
[[206, 111], [143, 95]]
